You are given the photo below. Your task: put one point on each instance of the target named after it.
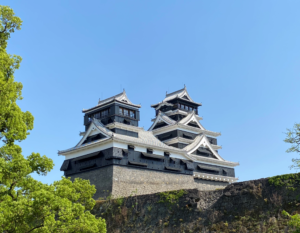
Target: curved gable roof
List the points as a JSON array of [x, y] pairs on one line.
[[201, 140], [96, 125], [191, 117], [162, 117]]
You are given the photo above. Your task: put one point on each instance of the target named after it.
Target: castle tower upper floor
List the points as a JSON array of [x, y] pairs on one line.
[[117, 108]]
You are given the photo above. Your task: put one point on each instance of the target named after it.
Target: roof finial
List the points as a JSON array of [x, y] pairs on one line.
[[184, 86], [123, 90], [99, 101]]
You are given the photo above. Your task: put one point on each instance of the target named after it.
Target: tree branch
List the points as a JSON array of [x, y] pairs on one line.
[[36, 228]]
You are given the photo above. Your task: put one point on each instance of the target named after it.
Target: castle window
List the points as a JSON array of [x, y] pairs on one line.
[[105, 112], [101, 114], [127, 112], [185, 107], [132, 114]]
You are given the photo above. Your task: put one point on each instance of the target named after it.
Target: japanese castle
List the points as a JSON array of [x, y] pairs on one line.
[[176, 152]]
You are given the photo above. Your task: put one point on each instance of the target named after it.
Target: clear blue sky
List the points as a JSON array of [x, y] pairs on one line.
[[241, 59]]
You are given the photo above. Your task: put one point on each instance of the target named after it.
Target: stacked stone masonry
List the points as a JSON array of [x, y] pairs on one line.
[[123, 181], [252, 206]]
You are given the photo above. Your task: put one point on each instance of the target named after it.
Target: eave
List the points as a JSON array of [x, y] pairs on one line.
[[186, 141], [195, 130], [178, 111], [178, 140], [211, 161], [176, 97], [205, 176], [123, 126], [216, 147], [110, 102], [84, 146], [128, 142]]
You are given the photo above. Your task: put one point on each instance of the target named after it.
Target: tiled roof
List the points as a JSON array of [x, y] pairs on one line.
[[145, 137], [163, 104], [194, 143], [175, 92], [178, 94], [122, 98], [167, 119]]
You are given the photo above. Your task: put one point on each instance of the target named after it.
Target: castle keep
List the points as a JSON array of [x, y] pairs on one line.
[[119, 157]]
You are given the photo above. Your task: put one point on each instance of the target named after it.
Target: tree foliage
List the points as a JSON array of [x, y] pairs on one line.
[[293, 137], [27, 205]]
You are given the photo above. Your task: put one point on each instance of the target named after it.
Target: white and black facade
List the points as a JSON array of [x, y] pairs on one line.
[[176, 145]]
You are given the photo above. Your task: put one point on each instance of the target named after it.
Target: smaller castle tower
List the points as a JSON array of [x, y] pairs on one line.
[[117, 108]]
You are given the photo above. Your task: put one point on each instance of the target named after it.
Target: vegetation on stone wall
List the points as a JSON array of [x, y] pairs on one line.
[[27, 205], [171, 197], [291, 183], [252, 206], [287, 180]]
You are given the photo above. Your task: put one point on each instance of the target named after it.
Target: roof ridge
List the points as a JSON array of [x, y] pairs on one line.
[[172, 93], [194, 143], [187, 117], [112, 97]]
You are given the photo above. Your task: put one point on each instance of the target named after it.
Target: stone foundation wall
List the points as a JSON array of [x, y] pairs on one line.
[[206, 185], [123, 181], [101, 178], [129, 180]]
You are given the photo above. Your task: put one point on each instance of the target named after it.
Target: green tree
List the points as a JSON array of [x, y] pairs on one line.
[[27, 205], [293, 137]]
